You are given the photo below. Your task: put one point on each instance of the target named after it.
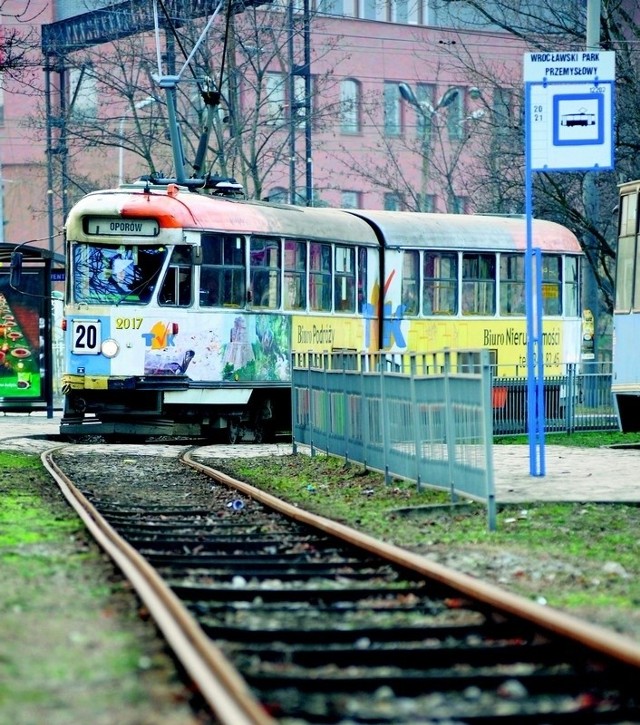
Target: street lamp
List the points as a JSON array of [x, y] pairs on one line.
[[137, 106], [427, 110]]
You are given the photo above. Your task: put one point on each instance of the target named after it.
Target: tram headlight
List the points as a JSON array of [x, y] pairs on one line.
[[109, 348]]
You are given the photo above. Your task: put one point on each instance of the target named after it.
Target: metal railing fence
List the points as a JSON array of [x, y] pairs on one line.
[[579, 400], [422, 417]]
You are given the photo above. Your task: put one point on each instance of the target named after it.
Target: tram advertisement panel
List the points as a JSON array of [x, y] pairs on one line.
[[21, 340]]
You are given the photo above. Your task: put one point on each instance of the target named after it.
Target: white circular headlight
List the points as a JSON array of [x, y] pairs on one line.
[[109, 348]]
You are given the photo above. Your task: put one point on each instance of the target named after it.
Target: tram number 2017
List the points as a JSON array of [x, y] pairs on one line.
[[128, 323]]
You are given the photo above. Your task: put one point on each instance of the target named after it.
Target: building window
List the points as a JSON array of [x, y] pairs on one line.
[[455, 116], [350, 8], [374, 9], [502, 103], [345, 8], [425, 94], [406, 11], [393, 202], [279, 107], [392, 116], [351, 200], [299, 107], [459, 204], [427, 203], [350, 106], [328, 7], [276, 98], [83, 94]]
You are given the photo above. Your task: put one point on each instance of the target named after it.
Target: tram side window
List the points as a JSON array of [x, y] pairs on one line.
[[551, 284], [440, 295], [264, 272], [295, 275], [410, 282], [320, 277], [222, 274], [362, 279], [571, 287], [628, 215], [344, 293], [478, 284], [625, 272], [512, 291], [177, 284]]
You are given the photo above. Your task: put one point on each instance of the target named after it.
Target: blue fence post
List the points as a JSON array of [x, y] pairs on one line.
[[487, 435], [363, 408], [449, 426], [415, 418], [294, 404], [385, 420]]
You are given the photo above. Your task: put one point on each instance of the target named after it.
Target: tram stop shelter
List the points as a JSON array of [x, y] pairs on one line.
[[26, 377]]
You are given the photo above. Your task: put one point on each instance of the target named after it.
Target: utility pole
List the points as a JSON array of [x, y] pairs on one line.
[[591, 204], [295, 106], [292, 108], [307, 103]]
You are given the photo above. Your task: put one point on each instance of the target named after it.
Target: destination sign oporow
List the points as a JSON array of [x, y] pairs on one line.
[[120, 227]]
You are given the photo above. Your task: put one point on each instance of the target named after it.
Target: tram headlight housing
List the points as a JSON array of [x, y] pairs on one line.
[[109, 348]]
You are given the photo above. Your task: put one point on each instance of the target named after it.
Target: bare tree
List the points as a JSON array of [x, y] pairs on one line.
[[18, 41], [237, 82], [431, 150], [550, 25]]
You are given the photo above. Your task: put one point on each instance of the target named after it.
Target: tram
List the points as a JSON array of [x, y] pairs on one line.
[[625, 384], [183, 306]]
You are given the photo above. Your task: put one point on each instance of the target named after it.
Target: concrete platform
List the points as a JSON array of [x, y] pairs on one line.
[[572, 474]]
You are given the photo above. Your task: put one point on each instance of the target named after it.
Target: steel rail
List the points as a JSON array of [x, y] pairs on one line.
[[218, 681], [597, 638]]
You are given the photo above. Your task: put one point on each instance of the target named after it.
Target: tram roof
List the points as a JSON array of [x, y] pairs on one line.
[[177, 208], [188, 210], [460, 231]]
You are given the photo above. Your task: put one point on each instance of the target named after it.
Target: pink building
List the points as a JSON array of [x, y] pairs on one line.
[[404, 106]]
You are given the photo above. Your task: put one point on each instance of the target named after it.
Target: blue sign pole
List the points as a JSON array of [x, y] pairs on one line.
[[533, 296]]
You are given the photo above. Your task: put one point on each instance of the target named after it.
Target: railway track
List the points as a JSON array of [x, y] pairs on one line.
[[282, 616]]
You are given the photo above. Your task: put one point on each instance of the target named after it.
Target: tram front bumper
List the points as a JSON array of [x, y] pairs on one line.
[[71, 383]]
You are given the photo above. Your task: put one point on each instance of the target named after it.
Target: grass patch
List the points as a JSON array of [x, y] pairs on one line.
[[577, 439], [574, 554], [70, 637]]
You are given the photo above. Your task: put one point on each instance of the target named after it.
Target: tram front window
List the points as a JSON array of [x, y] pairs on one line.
[[120, 274]]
